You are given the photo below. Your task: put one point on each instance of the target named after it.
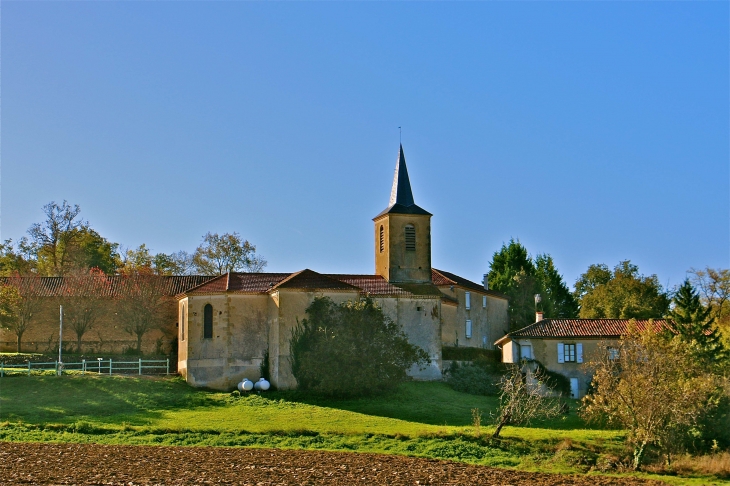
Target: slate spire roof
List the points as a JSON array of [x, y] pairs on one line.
[[401, 195]]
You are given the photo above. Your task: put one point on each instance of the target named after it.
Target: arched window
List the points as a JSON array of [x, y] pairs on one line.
[[183, 321], [410, 238], [208, 321], [382, 239]]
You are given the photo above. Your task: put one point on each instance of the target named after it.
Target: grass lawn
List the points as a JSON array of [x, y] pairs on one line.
[[422, 419]]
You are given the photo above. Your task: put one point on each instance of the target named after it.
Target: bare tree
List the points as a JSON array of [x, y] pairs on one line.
[[144, 305], [54, 236], [652, 387], [29, 300], [714, 286], [226, 253], [521, 400], [86, 296]]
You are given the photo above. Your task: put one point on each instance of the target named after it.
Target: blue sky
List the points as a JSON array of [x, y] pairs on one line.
[[593, 131]]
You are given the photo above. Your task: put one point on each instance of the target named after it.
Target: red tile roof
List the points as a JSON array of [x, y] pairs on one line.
[[242, 283], [112, 286], [311, 280], [261, 283], [374, 285], [442, 278], [584, 328]]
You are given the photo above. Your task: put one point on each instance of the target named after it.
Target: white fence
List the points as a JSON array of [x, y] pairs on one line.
[[97, 366]]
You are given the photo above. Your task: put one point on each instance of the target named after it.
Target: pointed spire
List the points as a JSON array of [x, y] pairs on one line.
[[401, 192], [401, 196]]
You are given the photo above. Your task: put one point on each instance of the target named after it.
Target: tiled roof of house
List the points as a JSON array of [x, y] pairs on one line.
[[244, 283], [442, 278], [374, 285], [111, 286], [261, 283], [584, 328], [311, 280]]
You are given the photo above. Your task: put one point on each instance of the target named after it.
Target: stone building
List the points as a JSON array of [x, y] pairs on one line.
[[562, 345], [230, 324]]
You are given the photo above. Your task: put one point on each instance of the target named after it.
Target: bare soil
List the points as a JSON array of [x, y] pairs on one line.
[[33, 463]]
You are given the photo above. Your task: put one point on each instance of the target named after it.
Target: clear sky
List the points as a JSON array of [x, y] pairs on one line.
[[593, 131]]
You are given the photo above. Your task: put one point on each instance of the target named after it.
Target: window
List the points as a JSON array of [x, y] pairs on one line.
[[410, 237], [208, 321], [382, 239], [613, 354], [526, 351], [468, 328], [183, 321], [467, 299], [569, 353], [484, 301]]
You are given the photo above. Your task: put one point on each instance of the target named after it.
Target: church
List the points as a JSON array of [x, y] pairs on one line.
[[229, 325]]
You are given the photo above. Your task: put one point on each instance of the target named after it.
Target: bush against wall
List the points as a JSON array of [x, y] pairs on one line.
[[350, 349], [461, 353], [480, 377]]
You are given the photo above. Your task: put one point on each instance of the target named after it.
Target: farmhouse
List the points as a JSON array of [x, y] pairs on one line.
[[561, 345], [230, 325]]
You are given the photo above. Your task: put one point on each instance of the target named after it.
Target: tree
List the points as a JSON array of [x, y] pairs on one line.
[[137, 261], [714, 288], [623, 294], [144, 306], [694, 322], [88, 249], [10, 303], [521, 401], [86, 298], [54, 236], [557, 300], [350, 349], [652, 388], [513, 272], [28, 302], [178, 263], [226, 253], [15, 260]]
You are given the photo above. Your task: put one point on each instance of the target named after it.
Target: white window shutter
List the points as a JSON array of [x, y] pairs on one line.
[[467, 297], [484, 301], [561, 353], [468, 328], [579, 352]]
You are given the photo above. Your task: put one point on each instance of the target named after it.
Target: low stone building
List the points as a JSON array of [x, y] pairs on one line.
[[562, 345], [231, 324]]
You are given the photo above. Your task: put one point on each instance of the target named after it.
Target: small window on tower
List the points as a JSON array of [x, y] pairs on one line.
[[410, 238], [382, 239]]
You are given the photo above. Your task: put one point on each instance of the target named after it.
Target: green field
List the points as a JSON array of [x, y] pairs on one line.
[[420, 419]]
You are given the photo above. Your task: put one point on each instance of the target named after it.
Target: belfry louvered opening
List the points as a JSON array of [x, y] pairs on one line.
[[410, 237], [382, 239]]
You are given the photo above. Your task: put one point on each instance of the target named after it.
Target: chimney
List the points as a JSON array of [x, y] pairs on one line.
[[486, 282], [538, 316]]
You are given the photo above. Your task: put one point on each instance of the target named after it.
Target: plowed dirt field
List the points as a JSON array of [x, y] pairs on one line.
[[22, 463]]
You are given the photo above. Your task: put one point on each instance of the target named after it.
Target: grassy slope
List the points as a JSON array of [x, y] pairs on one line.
[[425, 419]]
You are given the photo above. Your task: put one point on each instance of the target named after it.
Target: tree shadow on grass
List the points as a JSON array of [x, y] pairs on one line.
[[432, 403], [111, 400]]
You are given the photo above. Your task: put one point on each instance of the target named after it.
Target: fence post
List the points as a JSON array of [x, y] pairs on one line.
[[140, 366], [167, 371], [56, 368], [110, 367], [2, 370], [28, 367], [83, 366]]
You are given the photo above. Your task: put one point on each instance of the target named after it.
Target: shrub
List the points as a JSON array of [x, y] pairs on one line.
[[468, 354], [478, 378], [351, 349]]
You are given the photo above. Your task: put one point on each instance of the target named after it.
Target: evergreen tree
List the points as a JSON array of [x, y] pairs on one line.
[[515, 273], [694, 322]]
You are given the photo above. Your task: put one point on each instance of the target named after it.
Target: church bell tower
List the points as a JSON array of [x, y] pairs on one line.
[[403, 234]]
